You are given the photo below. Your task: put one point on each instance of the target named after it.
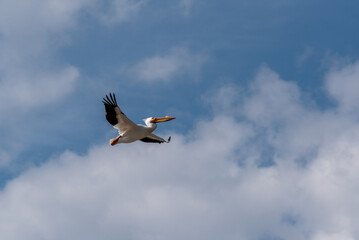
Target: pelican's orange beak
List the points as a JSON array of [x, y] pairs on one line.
[[162, 119]]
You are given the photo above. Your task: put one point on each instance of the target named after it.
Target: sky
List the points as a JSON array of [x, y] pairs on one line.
[[265, 141]]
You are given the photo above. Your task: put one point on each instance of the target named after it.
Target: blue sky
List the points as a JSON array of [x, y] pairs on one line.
[[263, 147]]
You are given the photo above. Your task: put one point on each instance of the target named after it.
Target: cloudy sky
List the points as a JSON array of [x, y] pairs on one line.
[[264, 147]]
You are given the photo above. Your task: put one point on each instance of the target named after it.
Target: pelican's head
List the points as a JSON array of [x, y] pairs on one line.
[[158, 119]]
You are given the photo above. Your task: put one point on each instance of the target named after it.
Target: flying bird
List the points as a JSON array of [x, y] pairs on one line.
[[128, 130]]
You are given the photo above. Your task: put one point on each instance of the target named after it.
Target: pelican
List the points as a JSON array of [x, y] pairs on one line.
[[128, 130]]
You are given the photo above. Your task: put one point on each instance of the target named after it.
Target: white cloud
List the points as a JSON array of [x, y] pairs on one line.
[[118, 11], [207, 185], [342, 83], [272, 99], [38, 89], [335, 236], [32, 33], [178, 62], [224, 100]]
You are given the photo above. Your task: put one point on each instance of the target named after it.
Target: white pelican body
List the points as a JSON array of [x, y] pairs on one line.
[[128, 130]]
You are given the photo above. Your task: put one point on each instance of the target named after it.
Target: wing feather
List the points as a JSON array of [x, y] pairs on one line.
[[115, 116], [152, 138]]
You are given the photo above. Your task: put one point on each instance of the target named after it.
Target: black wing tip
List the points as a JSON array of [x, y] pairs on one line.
[[150, 140], [168, 140], [110, 99]]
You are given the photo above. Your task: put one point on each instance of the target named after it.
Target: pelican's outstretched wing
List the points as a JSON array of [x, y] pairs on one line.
[[152, 138], [115, 116]]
